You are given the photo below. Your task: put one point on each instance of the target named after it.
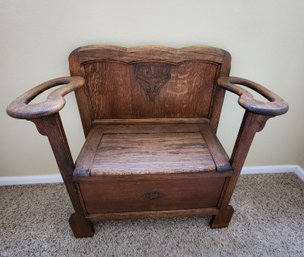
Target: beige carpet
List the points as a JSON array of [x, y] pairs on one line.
[[269, 221]]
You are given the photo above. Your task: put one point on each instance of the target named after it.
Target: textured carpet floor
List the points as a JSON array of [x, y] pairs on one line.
[[268, 222]]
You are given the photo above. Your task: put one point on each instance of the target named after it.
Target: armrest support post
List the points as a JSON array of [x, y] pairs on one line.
[[51, 126], [45, 115], [251, 124], [254, 120]]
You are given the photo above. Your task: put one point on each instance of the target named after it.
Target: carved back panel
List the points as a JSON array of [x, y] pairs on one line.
[[149, 82]]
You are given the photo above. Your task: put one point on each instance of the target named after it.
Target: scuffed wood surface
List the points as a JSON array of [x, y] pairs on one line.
[[149, 82], [151, 148], [275, 106], [149, 53], [21, 108], [154, 192], [151, 121], [153, 214], [152, 153], [116, 93]]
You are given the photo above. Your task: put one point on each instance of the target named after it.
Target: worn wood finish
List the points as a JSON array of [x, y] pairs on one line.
[[152, 153], [219, 156], [149, 82], [21, 108], [150, 116], [151, 121], [222, 219], [153, 214], [145, 148], [160, 54], [51, 126], [275, 106], [251, 124], [155, 192], [81, 227], [119, 92], [152, 77]]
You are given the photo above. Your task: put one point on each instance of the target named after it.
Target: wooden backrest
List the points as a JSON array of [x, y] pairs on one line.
[[149, 82]]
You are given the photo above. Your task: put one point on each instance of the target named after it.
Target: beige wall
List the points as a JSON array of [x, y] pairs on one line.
[[265, 38]]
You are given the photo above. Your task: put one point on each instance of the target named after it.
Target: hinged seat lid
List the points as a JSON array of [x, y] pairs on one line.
[[150, 149]]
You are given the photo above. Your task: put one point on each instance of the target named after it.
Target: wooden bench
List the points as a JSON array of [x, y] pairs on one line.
[[150, 116]]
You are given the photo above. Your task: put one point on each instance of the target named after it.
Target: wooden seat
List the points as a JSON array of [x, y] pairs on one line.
[[150, 117], [151, 149]]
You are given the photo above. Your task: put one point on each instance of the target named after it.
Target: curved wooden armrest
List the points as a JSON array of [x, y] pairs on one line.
[[275, 106], [21, 108]]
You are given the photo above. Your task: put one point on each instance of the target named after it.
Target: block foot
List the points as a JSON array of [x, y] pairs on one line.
[[80, 226], [222, 219]]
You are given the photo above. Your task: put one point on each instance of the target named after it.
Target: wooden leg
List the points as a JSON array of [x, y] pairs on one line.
[[222, 219], [80, 226]]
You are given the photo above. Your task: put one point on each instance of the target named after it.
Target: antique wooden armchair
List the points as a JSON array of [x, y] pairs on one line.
[[150, 116]]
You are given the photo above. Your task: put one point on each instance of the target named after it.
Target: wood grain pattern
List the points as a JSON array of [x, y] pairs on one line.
[[21, 108], [152, 77], [152, 121], [146, 148], [116, 93], [114, 90], [149, 54], [216, 150], [131, 192], [275, 106], [153, 214], [157, 128], [251, 124], [51, 126], [152, 153], [85, 158]]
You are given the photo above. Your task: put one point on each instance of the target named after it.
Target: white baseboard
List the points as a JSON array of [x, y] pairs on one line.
[[274, 169], [29, 180], [56, 178], [271, 169], [300, 172]]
